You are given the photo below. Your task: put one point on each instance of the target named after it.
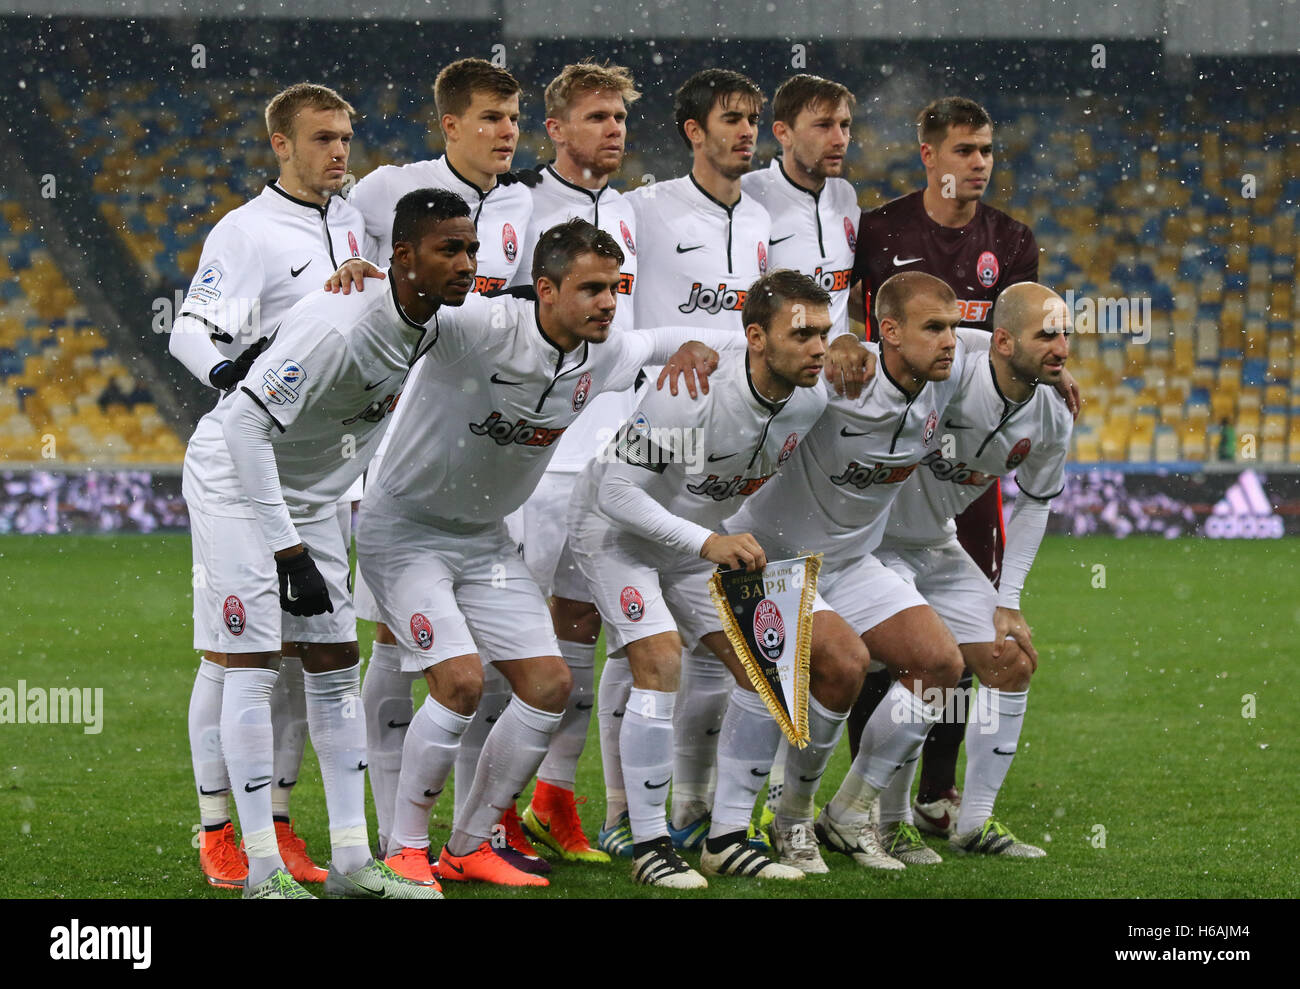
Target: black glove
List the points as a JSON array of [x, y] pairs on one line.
[[227, 374], [528, 176], [302, 588]]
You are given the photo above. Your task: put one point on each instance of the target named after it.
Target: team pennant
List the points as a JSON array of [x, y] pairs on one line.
[[767, 617]]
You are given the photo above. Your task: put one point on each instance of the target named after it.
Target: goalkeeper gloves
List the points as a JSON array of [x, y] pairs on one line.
[[302, 588]]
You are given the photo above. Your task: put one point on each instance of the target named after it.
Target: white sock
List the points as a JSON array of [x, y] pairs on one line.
[[896, 799], [746, 749], [337, 720], [615, 688], [701, 703], [496, 695], [893, 735], [646, 743], [386, 697], [992, 735], [427, 757], [511, 755], [776, 778], [247, 741], [560, 767], [210, 777], [804, 767], [289, 726]]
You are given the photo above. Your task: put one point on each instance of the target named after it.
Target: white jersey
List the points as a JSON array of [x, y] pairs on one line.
[[500, 215], [991, 436], [258, 262], [680, 466], [556, 200], [836, 498], [812, 232], [698, 257], [488, 404], [316, 403]]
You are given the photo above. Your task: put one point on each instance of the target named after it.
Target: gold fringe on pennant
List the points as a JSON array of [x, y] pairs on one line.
[[803, 658]]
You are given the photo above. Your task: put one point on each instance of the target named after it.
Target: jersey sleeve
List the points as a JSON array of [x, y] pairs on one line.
[[371, 197], [1025, 531], [473, 327], [190, 342], [1042, 475], [226, 293]]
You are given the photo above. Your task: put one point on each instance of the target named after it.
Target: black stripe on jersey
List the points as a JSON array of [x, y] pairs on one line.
[[1009, 408], [482, 196], [275, 187], [244, 389], [559, 358], [816, 197], [902, 420], [417, 353], [593, 195], [723, 206], [218, 334], [635, 448], [1030, 494]]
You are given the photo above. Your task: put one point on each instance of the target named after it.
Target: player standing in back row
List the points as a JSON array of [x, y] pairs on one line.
[[945, 230], [701, 244]]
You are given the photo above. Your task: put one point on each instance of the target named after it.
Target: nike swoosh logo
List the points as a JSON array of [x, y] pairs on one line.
[[844, 431], [288, 591], [502, 381], [432, 794], [583, 707], [618, 714], [761, 775], [209, 793], [712, 731], [362, 766], [452, 866], [714, 458], [378, 890], [248, 788], [683, 250], [295, 272], [657, 786], [378, 383], [779, 240], [908, 261], [812, 779], [397, 724], [998, 751], [283, 785], [949, 424]]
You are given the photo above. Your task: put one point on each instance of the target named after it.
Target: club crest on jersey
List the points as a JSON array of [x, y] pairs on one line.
[[421, 631], [762, 258], [769, 629], [791, 442], [233, 614], [1018, 454], [931, 424], [581, 390], [352, 243], [986, 269], [850, 234], [627, 236], [632, 604], [509, 243], [282, 384]]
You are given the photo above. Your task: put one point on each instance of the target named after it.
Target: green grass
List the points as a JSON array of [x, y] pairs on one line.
[[1136, 726]]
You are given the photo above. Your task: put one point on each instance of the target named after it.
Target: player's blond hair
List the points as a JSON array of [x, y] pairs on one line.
[[282, 112], [586, 76]]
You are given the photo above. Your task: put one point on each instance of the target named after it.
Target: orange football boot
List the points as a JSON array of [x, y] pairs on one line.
[[487, 866], [224, 865]]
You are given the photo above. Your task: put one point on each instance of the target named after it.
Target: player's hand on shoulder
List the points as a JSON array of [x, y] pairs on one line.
[[1010, 623], [302, 588], [1068, 389], [849, 365], [227, 374], [352, 272], [694, 362], [735, 552]]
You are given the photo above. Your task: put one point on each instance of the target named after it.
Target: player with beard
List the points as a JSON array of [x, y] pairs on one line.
[[586, 119], [947, 231], [701, 244], [253, 269]]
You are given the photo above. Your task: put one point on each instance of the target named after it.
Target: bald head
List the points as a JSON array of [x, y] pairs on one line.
[[898, 290], [1028, 307]]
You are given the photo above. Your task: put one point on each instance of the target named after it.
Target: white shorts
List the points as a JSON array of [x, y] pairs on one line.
[[642, 588], [237, 591], [445, 594], [363, 600], [951, 583], [865, 592], [541, 528]]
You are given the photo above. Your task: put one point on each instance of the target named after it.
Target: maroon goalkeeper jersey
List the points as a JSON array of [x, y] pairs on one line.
[[978, 260]]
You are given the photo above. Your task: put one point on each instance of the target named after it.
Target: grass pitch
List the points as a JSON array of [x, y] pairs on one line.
[[1157, 760]]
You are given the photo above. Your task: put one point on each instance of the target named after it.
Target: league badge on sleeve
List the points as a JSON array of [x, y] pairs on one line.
[[754, 608], [281, 385], [203, 291]]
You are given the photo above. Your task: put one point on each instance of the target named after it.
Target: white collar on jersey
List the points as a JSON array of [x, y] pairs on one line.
[[283, 198], [592, 194]]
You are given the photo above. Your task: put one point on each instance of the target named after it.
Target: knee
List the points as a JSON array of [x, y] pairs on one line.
[[460, 687], [546, 685], [939, 666], [1010, 671], [839, 670]]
